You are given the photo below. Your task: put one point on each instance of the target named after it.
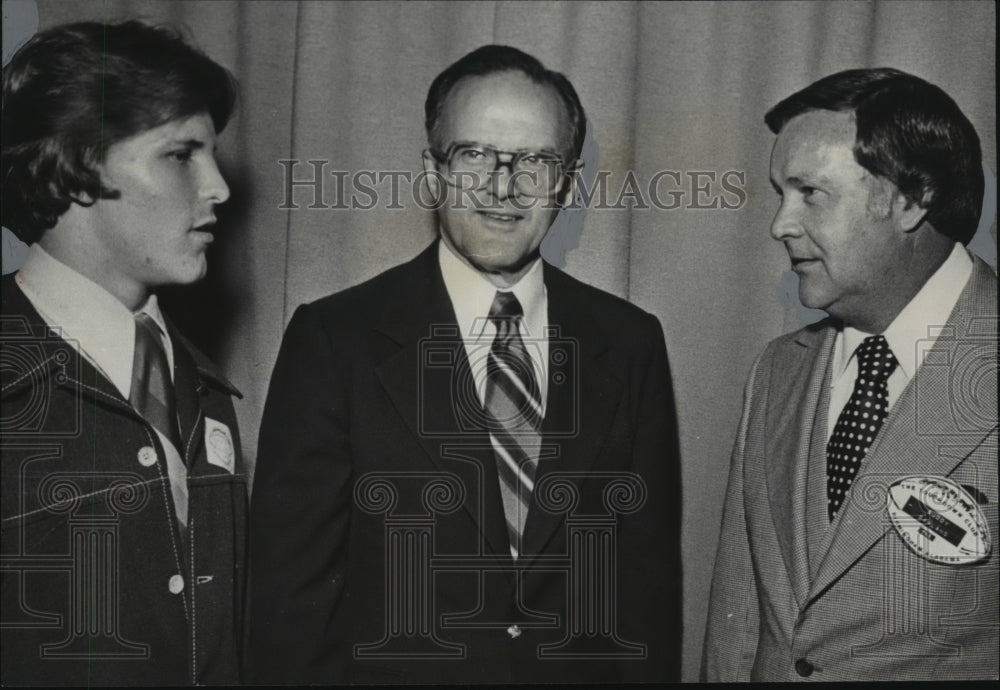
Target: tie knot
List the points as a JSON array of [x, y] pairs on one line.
[[505, 307], [149, 323], [875, 358]]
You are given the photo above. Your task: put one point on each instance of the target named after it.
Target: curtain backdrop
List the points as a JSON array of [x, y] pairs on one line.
[[676, 87]]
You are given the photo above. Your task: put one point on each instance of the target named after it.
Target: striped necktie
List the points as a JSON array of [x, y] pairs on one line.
[[514, 414], [152, 395]]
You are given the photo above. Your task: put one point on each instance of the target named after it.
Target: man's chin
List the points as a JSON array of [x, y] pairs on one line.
[[506, 273], [193, 274], [812, 300]]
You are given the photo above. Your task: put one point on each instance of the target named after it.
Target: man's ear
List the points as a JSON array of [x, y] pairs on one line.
[[82, 198], [909, 213], [571, 180], [94, 176], [432, 176]]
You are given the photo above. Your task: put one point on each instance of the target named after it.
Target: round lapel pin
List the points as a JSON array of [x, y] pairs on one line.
[[939, 520]]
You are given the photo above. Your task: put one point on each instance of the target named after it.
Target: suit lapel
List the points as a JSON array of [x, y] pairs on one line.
[[931, 428], [816, 505], [582, 400], [194, 373], [187, 389], [421, 378], [795, 390]]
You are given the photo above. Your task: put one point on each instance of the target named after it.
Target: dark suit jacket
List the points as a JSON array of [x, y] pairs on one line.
[[795, 597], [98, 586], [378, 545]]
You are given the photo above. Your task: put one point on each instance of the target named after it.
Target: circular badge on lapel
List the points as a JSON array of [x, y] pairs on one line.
[[938, 520], [219, 445]]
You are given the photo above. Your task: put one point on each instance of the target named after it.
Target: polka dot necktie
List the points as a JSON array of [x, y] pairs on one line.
[[860, 420]]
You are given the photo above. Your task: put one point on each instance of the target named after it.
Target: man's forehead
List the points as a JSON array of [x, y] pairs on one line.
[[814, 141], [819, 128], [193, 128], [504, 109]]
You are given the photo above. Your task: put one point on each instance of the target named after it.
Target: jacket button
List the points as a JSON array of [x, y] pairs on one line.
[[514, 631], [147, 456], [803, 668], [176, 584]]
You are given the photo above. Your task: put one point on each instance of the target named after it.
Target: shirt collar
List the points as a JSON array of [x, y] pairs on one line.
[[86, 314], [472, 295], [921, 319]]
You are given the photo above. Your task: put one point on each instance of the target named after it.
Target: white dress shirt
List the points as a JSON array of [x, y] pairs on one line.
[[471, 296], [911, 334], [87, 316]]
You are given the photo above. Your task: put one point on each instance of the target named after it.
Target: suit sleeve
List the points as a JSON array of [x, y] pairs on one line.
[[650, 581], [733, 617], [300, 511]]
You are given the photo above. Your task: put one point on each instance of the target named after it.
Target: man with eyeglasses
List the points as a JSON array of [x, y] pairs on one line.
[[468, 465]]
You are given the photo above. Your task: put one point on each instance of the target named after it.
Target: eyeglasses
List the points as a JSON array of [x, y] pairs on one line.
[[471, 166]]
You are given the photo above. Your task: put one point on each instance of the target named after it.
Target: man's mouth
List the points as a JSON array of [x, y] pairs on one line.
[[501, 217], [203, 228]]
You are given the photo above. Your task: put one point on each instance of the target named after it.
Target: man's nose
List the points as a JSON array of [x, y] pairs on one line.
[[501, 179], [214, 187], [786, 223]]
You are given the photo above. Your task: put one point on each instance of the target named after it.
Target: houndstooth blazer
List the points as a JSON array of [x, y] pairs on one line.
[[796, 598]]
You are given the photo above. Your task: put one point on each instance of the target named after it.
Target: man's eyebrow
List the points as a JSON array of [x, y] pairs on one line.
[[479, 144], [807, 181], [188, 143]]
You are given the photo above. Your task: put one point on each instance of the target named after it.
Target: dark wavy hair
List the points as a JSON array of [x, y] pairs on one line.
[[908, 131], [492, 59], [74, 90]]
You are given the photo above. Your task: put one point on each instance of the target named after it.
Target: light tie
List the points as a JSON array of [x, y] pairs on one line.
[[514, 414], [153, 397]]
